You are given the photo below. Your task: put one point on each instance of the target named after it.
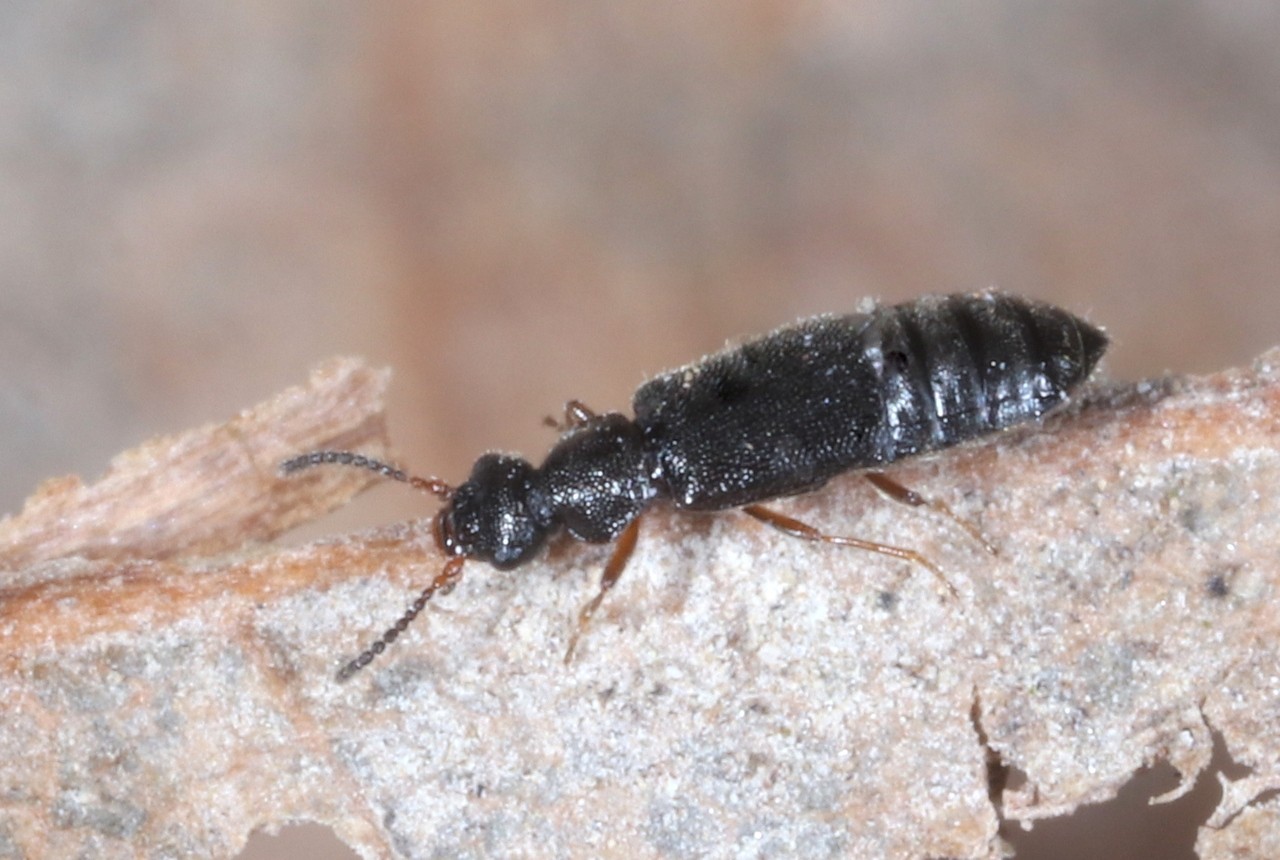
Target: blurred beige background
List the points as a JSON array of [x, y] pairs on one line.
[[517, 203]]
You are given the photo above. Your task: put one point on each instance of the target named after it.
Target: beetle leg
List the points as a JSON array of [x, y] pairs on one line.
[[804, 531], [576, 414], [908, 496], [622, 550]]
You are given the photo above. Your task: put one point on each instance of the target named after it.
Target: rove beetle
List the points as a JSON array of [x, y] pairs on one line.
[[775, 416]]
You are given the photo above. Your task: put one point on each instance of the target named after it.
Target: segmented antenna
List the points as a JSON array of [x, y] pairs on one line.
[[435, 486], [443, 583]]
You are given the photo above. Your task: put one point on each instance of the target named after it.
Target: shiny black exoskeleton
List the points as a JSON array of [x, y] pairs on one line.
[[772, 417], [596, 480]]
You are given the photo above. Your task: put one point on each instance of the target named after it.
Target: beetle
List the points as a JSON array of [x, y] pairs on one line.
[[774, 416]]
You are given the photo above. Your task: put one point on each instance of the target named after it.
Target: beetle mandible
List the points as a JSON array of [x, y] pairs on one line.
[[774, 416]]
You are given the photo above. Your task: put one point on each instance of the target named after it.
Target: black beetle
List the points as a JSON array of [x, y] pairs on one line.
[[775, 416]]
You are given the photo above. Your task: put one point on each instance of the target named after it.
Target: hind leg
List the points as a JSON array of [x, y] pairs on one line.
[[908, 496]]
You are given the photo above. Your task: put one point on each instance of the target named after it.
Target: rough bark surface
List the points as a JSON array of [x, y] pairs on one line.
[[168, 679]]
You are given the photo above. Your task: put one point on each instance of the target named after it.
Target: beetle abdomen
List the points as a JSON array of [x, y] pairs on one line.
[[784, 413]]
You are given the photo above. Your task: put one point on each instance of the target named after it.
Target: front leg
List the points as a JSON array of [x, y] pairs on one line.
[[622, 550], [576, 414]]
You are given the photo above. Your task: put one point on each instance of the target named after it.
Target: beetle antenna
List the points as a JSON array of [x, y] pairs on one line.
[[435, 486], [443, 583]]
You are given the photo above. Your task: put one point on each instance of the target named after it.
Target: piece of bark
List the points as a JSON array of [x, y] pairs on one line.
[[211, 489], [740, 693]]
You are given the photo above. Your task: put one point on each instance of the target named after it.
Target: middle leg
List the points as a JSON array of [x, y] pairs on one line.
[[804, 531]]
